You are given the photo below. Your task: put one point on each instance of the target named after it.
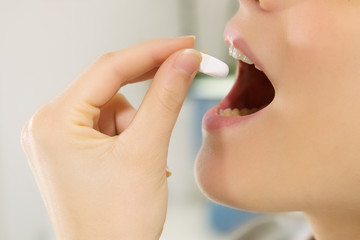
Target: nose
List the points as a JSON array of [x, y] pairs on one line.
[[275, 5]]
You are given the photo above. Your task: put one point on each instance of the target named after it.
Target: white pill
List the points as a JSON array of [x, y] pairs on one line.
[[213, 67]]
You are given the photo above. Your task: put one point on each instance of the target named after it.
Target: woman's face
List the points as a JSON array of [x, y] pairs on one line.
[[302, 151]]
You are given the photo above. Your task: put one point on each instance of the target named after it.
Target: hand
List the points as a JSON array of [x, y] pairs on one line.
[[100, 164]]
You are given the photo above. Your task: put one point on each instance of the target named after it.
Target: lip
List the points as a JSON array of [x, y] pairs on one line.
[[234, 37], [213, 121]]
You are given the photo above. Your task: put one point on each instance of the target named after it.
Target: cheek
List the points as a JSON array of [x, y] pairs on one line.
[[315, 70], [308, 25]]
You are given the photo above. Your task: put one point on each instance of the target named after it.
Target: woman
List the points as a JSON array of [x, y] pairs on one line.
[[101, 166]]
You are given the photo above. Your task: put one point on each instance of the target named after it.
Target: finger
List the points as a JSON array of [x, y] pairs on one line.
[[159, 110], [124, 115], [113, 70], [145, 76], [115, 116]]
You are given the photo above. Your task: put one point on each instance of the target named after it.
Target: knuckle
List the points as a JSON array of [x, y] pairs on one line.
[[114, 63], [37, 126], [24, 138], [36, 133], [106, 57]]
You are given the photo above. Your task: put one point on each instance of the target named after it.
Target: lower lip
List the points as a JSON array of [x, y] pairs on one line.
[[212, 120]]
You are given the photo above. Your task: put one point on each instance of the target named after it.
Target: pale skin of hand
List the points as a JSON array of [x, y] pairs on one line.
[[100, 164]]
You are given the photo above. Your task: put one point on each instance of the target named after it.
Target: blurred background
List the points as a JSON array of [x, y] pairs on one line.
[[45, 44]]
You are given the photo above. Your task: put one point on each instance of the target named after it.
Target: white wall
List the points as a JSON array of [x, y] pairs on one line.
[[44, 45]]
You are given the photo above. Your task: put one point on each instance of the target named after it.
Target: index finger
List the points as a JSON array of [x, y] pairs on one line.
[[113, 70]]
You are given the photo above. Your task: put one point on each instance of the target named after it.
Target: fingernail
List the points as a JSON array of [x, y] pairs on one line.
[[188, 61], [168, 172], [189, 36]]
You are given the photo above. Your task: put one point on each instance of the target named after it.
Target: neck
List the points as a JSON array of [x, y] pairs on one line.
[[334, 226]]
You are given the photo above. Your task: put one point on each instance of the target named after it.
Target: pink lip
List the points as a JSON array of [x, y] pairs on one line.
[[234, 37]]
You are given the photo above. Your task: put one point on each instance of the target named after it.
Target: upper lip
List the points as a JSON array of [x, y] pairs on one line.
[[235, 38], [256, 88]]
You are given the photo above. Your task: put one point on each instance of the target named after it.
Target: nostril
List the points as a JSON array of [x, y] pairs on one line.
[[274, 5], [267, 5]]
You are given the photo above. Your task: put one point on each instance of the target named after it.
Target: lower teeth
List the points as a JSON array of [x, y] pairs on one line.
[[228, 112]]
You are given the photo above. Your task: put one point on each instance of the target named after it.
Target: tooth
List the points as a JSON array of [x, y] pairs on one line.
[[235, 53], [244, 112], [228, 112], [258, 68], [236, 112], [253, 110], [221, 112], [246, 59], [231, 50]]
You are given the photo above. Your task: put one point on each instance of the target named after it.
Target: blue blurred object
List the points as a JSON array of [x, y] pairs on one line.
[[206, 92], [224, 219]]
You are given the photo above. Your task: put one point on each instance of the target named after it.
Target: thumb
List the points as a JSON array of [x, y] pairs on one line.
[[162, 103]]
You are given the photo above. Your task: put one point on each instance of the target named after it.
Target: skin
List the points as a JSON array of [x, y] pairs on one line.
[[302, 152]]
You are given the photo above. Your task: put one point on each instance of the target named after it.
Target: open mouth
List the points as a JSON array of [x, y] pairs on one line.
[[251, 92]]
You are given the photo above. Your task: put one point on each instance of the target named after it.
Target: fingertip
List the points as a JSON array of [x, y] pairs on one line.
[[188, 61], [24, 136], [190, 38], [186, 41]]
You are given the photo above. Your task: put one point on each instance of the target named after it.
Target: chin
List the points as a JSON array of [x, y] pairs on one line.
[[247, 181], [214, 181]]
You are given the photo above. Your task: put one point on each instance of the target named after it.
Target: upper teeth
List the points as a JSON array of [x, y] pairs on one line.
[[235, 53]]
